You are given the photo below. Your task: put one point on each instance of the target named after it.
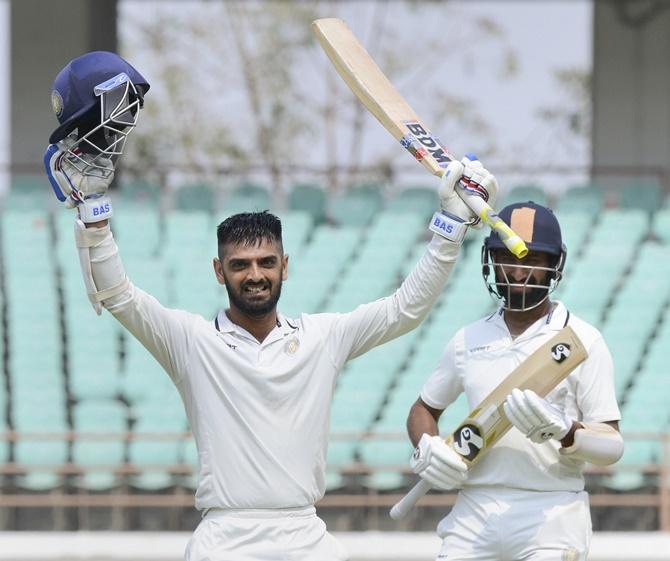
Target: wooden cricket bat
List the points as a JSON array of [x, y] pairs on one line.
[[373, 89], [541, 372]]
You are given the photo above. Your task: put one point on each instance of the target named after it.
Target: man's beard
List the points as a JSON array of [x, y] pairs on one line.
[[516, 301], [526, 299], [251, 308]]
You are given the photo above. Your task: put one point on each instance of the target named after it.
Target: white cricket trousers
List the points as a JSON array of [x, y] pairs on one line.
[[501, 524], [294, 534]]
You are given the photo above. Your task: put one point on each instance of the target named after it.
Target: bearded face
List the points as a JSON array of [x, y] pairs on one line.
[[253, 276], [522, 284]]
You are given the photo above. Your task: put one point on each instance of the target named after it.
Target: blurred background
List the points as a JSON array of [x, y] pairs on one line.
[[567, 102]]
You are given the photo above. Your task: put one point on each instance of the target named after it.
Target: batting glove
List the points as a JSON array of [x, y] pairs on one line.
[[462, 179], [79, 180], [436, 462], [536, 417]]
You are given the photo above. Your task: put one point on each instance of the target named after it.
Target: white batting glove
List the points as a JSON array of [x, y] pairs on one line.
[[466, 178], [536, 417], [436, 462], [79, 180]]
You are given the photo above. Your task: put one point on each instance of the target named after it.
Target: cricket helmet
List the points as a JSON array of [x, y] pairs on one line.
[[98, 94], [538, 227]]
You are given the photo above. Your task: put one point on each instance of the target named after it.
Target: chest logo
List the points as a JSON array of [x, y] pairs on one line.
[[291, 346]]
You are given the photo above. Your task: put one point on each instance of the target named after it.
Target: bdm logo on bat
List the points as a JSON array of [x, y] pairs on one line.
[[560, 351], [427, 140]]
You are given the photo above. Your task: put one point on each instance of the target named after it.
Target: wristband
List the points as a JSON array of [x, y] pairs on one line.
[[448, 226]]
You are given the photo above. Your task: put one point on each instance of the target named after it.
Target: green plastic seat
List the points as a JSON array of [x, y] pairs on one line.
[[196, 197], [643, 195], [661, 226], [28, 192], [525, 193], [357, 206], [99, 416], [588, 199], [309, 198], [422, 201], [137, 193], [247, 197]]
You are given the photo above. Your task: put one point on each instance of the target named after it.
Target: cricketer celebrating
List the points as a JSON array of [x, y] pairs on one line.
[[525, 499], [256, 386]]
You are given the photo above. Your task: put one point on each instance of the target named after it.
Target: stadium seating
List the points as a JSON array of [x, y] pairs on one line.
[[112, 384], [198, 197], [420, 200], [247, 197], [356, 206], [642, 195], [588, 199], [310, 199], [524, 193]]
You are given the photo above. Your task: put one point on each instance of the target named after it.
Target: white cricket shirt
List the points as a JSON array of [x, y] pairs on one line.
[[482, 354], [260, 412]]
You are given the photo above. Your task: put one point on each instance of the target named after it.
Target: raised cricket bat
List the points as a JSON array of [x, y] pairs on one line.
[[373, 89], [541, 372]]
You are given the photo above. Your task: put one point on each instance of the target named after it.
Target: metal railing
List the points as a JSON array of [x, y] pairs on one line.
[[72, 496]]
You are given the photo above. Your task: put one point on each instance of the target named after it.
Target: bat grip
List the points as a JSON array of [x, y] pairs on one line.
[[508, 236], [404, 505]]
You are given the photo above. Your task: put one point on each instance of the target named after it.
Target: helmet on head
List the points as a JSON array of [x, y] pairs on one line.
[[99, 95], [538, 227]]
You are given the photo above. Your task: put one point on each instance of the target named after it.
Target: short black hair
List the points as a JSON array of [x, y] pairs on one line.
[[249, 228]]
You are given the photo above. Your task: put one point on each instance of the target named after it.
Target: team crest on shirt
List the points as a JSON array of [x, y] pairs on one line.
[[291, 346]]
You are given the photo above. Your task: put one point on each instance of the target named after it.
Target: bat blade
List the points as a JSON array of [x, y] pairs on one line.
[[369, 84], [541, 372]]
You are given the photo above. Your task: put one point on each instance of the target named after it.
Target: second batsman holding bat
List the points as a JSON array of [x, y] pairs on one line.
[[525, 499], [257, 386]]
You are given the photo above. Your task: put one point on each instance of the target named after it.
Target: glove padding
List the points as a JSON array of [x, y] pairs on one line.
[[475, 179], [79, 180], [536, 417], [436, 462]]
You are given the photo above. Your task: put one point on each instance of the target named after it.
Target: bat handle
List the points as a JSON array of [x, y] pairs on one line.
[[404, 505], [508, 236]]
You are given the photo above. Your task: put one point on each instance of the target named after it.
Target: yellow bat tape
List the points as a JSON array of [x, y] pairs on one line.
[[508, 236]]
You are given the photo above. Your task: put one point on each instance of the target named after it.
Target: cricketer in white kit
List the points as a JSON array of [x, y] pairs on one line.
[[525, 499], [256, 386]]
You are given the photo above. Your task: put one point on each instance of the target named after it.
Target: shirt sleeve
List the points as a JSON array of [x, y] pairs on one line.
[[596, 395], [369, 325], [445, 383], [164, 332]]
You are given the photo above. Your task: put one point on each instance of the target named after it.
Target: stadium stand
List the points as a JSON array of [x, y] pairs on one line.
[[111, 384], [308, 198], [524, 193]]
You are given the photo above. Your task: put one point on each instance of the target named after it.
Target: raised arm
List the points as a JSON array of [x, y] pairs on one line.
[[97, 98], [375, 323]]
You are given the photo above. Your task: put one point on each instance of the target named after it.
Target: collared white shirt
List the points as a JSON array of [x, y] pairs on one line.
[[260, 412], [482, 354]]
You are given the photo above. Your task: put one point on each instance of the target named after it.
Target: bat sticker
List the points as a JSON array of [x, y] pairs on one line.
[[560, 351], [468, 441], [413, 146], [429, 142]]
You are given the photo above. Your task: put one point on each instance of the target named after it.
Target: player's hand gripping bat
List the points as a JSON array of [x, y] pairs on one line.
[[541, 372]]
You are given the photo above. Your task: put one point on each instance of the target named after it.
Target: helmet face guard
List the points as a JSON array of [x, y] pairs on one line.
[[101, 141], [539, 228], [520, 295]]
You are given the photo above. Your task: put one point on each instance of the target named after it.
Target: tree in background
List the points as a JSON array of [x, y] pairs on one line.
[[242, 90]]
